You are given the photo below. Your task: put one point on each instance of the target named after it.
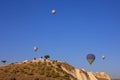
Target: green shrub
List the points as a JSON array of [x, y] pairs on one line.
[[12, 79], [48, 74], [55, 75], [42, 72], [36, 79], [66, 76], [75, 79]]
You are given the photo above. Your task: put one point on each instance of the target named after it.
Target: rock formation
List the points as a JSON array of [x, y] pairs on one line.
[[45, 68]]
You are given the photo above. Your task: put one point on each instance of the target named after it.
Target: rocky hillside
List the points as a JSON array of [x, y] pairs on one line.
[[42, 69]]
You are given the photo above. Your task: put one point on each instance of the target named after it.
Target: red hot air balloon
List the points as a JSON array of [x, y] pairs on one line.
[[90, 58], [35, 48]]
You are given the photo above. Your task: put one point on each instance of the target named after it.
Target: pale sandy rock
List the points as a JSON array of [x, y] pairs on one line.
[[91, 76], [102, 75], [81, 74]]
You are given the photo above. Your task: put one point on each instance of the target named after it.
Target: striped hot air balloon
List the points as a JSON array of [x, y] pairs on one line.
[[90, 58]]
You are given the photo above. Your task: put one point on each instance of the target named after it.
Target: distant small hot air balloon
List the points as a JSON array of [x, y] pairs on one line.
[[90, 58], [103, 57], [35, 48], [53, 11]]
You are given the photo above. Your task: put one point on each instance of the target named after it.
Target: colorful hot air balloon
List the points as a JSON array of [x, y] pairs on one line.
[[53, 11], [103, 57], [35, 48], [90, 58]]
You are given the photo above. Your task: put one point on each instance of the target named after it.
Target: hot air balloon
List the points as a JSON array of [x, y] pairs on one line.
[[103, 57], [53, 11], [35, 48], [90, 58]]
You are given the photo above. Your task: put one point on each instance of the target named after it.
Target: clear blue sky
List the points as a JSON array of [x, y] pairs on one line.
[[79, 27]]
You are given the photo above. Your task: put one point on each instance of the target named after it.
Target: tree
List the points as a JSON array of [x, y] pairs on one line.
[[3, 61], [46, 56], [41, 57], [34, 58]]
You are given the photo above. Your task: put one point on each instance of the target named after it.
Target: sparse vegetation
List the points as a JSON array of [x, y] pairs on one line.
[[39, 70], [46, 56], [12, 79], [45, 70]]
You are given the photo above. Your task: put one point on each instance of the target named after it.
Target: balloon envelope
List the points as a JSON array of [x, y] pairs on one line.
[[103, 57], [90, 58], [35, 48], [53, 11]]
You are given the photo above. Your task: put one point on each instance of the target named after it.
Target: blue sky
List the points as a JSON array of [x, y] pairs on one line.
[[78, 28]]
